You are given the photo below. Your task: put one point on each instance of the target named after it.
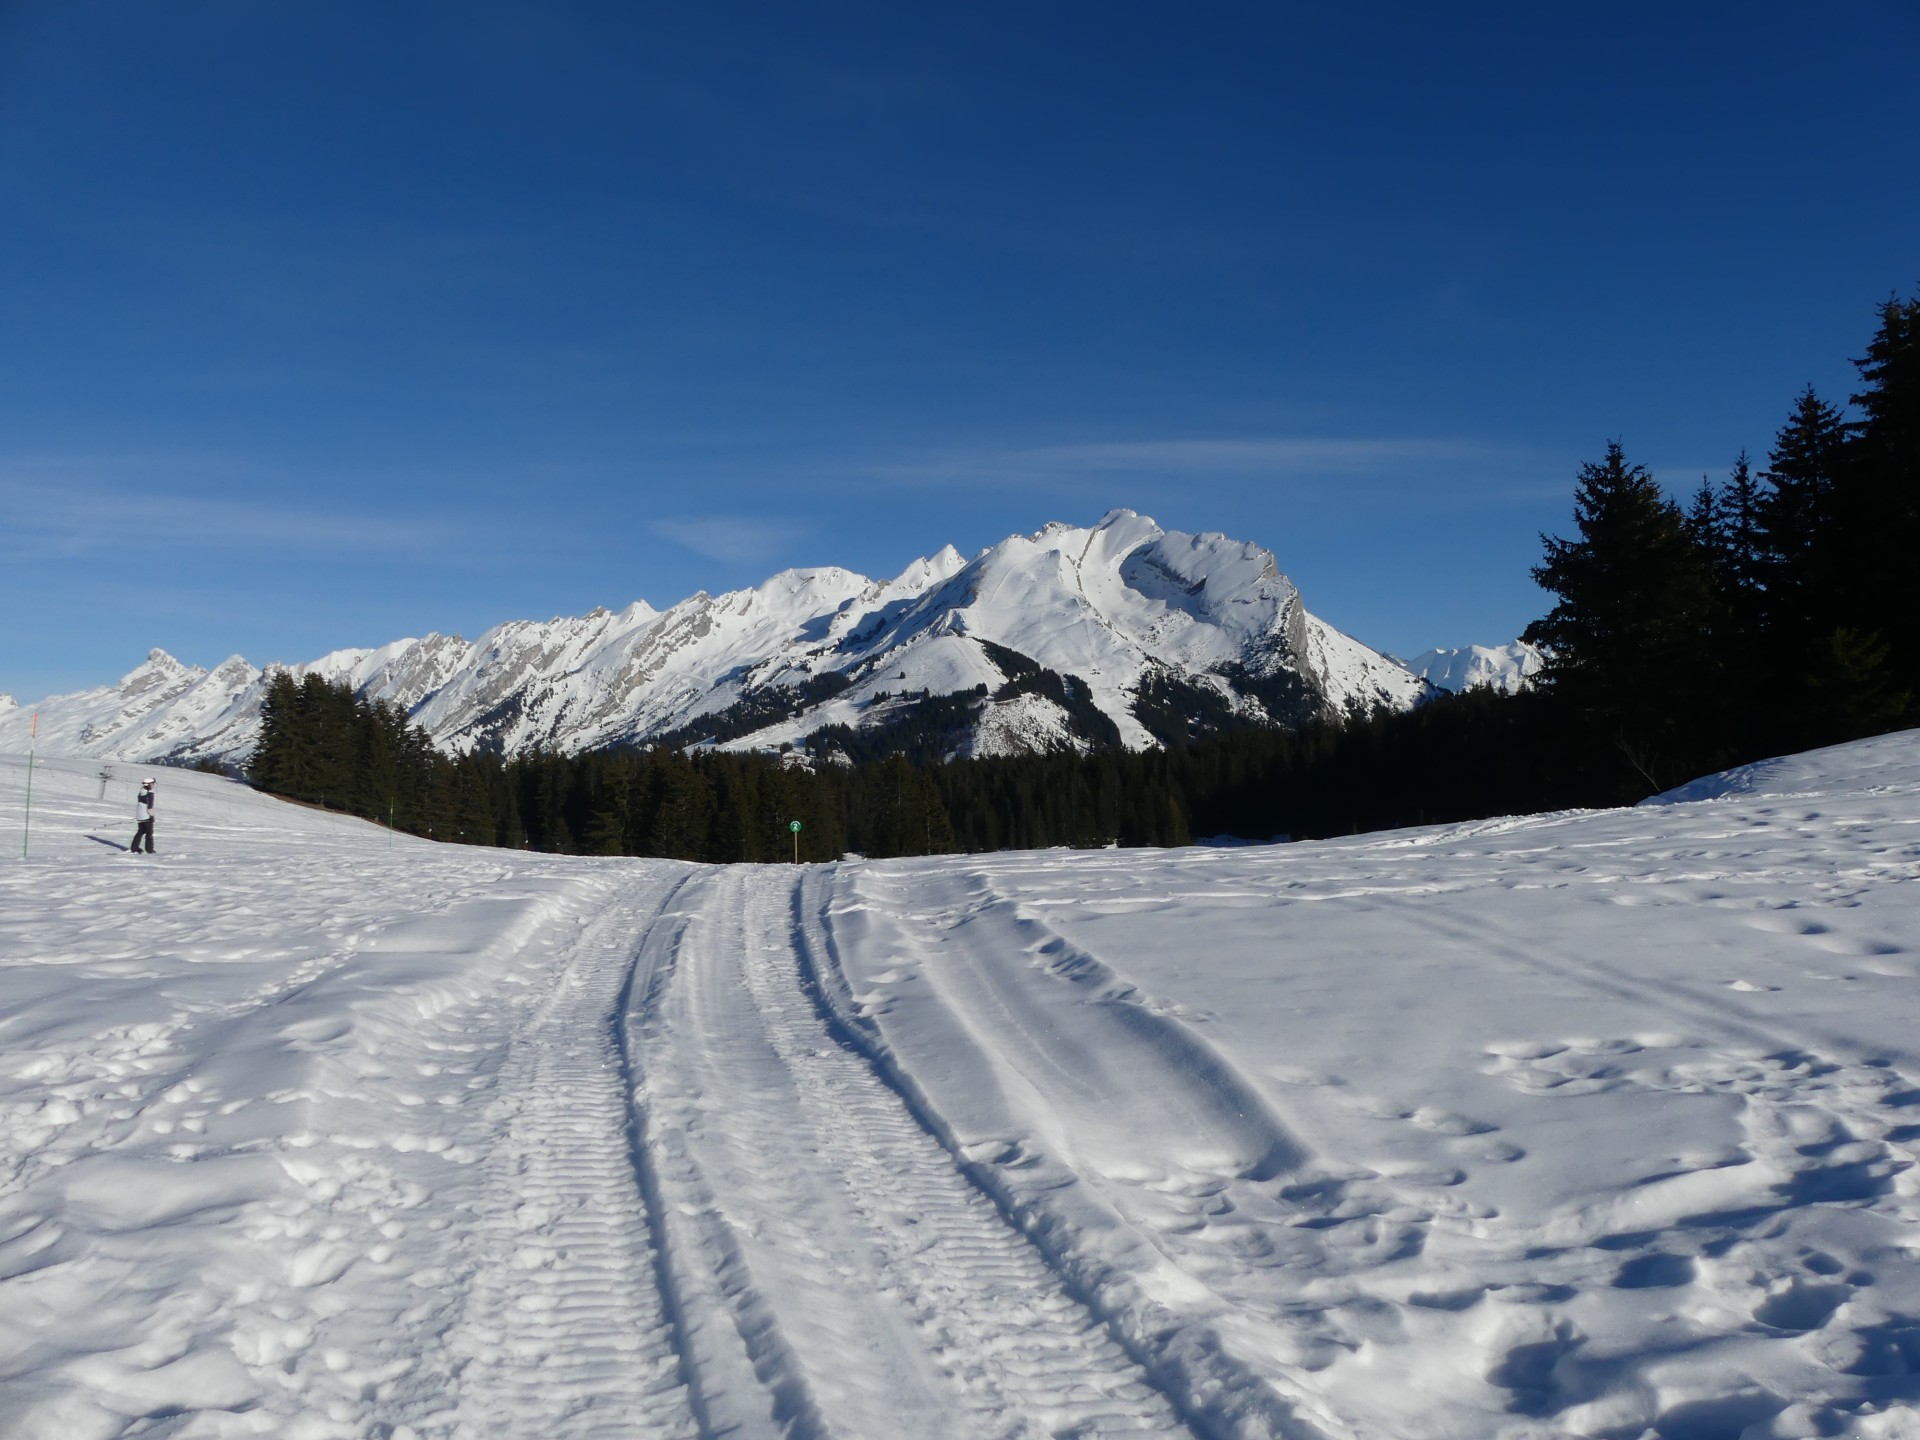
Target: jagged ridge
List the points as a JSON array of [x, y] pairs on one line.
[[1069, 638]]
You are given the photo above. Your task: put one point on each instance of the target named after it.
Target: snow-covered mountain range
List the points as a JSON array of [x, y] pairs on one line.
[[1073, 637], [1505, 668]]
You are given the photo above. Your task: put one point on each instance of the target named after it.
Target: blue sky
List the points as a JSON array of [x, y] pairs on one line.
[[329, 323]]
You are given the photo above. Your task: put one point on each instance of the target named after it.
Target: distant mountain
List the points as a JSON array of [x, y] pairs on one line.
[[1471, 667], [1117, 634], [160, 709]]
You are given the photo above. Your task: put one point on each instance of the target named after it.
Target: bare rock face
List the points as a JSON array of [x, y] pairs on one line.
[[1119, 633]]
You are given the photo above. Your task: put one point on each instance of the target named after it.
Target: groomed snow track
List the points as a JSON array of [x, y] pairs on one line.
[[713, 1216], [567, 1336]]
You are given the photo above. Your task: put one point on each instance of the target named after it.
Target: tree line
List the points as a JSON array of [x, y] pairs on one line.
[[1773, 612], [322, 744]]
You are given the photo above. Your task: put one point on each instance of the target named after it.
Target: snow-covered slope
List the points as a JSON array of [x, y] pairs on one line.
[[1505, 668], [159, 708], [1581, 1125], [1106, 608]]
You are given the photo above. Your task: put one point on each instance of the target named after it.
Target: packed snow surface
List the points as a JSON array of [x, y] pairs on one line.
[[1587, 1124]]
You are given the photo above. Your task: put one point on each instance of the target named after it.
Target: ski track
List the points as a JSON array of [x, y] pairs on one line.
[[822, 1241], [567, 1336], [1178, 1242], [1309, 1259]]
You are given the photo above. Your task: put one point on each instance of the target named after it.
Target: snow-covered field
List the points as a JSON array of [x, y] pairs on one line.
[[1591, 1124]]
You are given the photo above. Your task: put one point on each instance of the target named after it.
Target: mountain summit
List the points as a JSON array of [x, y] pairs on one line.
[[1074, 637]]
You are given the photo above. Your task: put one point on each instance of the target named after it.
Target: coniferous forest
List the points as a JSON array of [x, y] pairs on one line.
[[1771, 613]]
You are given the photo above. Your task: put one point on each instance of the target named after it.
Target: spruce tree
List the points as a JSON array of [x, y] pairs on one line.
[[607, 821], [685, 810], [1799, 558], [1740, 529], [1878, 508], [1625, 640], [1704, 521], [275, 763], [1742, 662]]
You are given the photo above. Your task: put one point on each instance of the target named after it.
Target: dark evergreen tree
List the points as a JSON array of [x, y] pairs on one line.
[[898, 811], [1878, 504], [608, 821], [683, 809], [1799, 561], [277, 761], [1740, 535], [1705, 522], [1626, 639], [1744, 666]]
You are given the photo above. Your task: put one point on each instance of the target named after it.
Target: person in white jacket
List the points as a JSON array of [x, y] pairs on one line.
[[143, 818]]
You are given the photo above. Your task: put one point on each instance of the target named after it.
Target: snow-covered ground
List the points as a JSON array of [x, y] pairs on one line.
[[1595, 1124]]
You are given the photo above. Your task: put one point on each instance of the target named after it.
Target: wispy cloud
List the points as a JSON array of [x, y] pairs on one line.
[[730, 539], [1685, 479], [1301, 457], [73, 506]]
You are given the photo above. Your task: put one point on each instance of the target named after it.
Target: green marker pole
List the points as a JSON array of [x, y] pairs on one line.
[[33, 744], [794, 826]]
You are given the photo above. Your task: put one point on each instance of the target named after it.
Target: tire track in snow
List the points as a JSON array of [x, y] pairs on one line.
[[568, 1336], [1128, 1216], [818, 1238]]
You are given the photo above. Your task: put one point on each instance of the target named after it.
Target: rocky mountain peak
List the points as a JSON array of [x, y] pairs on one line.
[[1082, 636]]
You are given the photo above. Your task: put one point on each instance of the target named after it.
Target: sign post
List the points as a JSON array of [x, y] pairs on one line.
[[33, 743], [794, 826]]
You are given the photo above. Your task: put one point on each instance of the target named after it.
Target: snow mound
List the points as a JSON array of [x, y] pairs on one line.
[[1885, 764]]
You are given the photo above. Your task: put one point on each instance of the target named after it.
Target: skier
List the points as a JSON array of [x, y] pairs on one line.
[[143, 814]]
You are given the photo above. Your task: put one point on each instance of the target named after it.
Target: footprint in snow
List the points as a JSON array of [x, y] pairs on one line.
[[1294, 1075], [1446, 1122]]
